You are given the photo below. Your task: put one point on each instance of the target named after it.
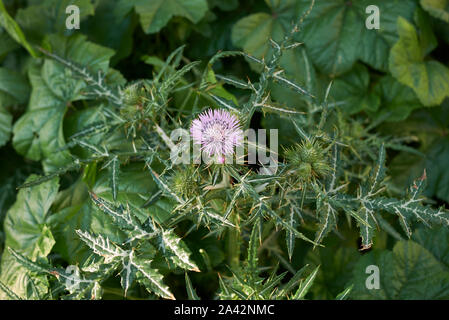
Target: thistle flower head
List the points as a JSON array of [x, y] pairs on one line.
[[218, 132]]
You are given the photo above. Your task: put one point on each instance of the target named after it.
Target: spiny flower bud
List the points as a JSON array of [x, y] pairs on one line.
[[307, 160], [185, 182], [132, 94]]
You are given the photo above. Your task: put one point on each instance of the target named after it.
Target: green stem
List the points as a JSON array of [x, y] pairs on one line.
[[234, 243]]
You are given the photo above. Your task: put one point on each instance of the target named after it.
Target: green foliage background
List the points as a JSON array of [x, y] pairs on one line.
[[387, 111]]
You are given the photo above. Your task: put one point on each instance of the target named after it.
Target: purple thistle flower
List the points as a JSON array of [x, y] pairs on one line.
[[218, 132]]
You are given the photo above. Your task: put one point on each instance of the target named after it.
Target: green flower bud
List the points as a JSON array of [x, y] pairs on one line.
[[308, 159]]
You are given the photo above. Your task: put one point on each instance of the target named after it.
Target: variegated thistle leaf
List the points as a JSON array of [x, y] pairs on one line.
[[150, 278], [71, 278], [191, 293], [377, 175], [327, 216], [114, 170], [367, 227], [305, 285], [9, 293], [177, 250], [102, 246], [128, 273], [123, 218]]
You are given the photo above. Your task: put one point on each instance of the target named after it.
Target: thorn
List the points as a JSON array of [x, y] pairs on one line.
[[424, 175]]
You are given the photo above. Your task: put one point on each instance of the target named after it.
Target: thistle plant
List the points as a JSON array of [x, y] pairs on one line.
[[150, 220]]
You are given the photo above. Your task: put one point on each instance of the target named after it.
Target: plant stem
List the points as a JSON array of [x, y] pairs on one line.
[[234, 242]]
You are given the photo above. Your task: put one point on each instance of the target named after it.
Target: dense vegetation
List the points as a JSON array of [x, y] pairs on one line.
[[91, 205]]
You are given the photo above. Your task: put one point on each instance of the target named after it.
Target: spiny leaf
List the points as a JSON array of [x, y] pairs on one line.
[[179, 252], [128, 274], [252, 252], [14, 30], [74, 166], [270, 285], [290, 238], [292, 282], [171, 81], [291, 85], [190, 291], [28, 264], [377, 174], [228, 104], [151, 278], [11, 295], [279, 221], [305, 285], [367, 228], [102, 246], [164, 186], [233, 81], [114, 169], [345, 293], [328, 220]]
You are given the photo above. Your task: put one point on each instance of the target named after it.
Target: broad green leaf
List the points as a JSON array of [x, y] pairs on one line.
[[337, 264], [336, 36], [38, 134], [437, 8], [426, 33], [253, 32], [299, 68], [428, 78], [7, 44], [26, 230], [227, 5], [9, 294], [397, 101], [408, 272], [81, 51], [14, 87], [435, 240], [5, 125], [35, 26], [437, 173], [351, 92], [14, 30], [119, 37], [25, 222], [155, 14], [428, 126], [19, 280]]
